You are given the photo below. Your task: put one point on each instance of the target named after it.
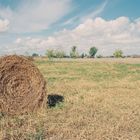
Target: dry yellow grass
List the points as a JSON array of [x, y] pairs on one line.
[[101, 102]]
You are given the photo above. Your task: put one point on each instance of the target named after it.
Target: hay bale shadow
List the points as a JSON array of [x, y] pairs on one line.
[[54, 99]]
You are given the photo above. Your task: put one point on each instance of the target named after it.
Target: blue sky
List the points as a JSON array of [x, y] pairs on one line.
[[37, 25]]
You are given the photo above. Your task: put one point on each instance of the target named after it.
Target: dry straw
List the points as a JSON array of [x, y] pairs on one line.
[[22, 87]]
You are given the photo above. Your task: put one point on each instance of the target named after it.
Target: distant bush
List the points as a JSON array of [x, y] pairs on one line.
[[99, 56], [118, 54], [35, 55], [60, 54], [82, 55], [74, 53], [50, 53], [93, 51]]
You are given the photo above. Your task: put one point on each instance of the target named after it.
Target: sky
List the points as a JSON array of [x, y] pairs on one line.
[[34, 26]]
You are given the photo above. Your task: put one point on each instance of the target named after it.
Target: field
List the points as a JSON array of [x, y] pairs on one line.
[[101, 102]]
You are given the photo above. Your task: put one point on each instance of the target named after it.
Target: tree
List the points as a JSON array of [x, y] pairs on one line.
[[82, 55], [118, 53], [60, 54], [74, 53], [50, 54], [93, 51], [35, 55]]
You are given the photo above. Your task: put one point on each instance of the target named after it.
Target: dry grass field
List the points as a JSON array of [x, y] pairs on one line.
[[101, 102]]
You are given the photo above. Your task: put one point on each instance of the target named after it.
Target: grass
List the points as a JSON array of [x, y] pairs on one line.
[[101, 102]]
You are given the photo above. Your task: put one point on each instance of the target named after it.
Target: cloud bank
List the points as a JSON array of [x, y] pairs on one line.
[[35, 15], [106, 35], [4, 25]]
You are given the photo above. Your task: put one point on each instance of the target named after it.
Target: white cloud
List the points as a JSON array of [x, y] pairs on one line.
[[96, 12], [81, 17], [18, 40], [4, 25], [107, 35], [35, 15]]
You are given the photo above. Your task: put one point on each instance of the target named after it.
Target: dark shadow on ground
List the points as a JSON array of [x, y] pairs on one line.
[[54, 99]]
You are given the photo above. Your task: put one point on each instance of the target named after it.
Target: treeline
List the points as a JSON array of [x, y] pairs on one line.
[[50, 53]]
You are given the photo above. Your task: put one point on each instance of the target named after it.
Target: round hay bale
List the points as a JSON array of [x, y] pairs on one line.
[[22, 86]]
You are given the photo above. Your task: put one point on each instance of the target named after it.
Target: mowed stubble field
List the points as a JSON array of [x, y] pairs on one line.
[[101, 102]]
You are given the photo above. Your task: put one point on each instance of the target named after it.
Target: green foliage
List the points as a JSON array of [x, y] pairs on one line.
[[82, 55], [59, 106], [39, 133], [50, 54], [93, 51], [74, 53], [35, 55], [99, 56], [60, 54], [55, 54], [118, 54]]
